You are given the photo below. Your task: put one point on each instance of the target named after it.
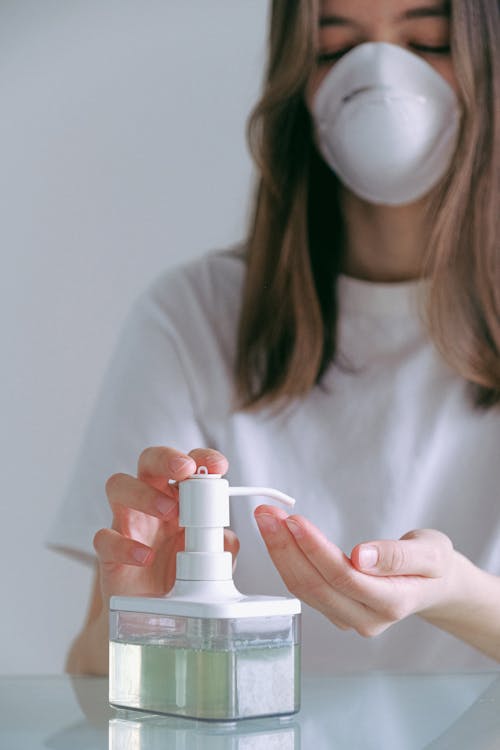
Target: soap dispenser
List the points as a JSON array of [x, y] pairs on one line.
[[205, 650]]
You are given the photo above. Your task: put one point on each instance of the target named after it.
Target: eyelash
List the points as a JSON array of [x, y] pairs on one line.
[[444, 50], [333, 56]]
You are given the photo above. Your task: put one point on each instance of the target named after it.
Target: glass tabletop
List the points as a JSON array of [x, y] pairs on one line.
[[370, 711]]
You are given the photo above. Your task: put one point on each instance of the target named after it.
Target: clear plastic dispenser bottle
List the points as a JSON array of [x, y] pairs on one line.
[[205, 650]]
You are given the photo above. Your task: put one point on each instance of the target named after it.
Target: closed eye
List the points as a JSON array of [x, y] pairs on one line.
[[327, 57], [443, 50]]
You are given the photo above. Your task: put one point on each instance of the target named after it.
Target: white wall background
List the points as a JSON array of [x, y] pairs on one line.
[[122, 151]]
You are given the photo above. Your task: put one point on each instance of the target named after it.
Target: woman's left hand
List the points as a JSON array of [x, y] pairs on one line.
[[383, 581]]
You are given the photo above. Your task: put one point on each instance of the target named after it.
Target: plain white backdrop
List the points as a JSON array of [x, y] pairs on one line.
[[122, 152]]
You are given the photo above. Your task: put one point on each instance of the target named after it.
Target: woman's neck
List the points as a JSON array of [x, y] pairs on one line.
[[383, 243]]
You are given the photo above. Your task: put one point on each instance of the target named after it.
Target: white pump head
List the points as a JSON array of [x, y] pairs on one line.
[[204, 512], [204, 585]]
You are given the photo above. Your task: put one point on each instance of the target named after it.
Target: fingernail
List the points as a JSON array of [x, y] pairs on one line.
[[140, 554], [164, 505], [368, 557], [179, 463], [295, 527], [267, 523]]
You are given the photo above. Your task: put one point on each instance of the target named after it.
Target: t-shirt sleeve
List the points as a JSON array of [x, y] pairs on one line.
[[145, 399]]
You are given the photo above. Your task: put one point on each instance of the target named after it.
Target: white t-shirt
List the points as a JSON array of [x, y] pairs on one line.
[[388, 445]]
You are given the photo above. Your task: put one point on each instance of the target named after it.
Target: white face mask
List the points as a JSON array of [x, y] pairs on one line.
[[386, 123]]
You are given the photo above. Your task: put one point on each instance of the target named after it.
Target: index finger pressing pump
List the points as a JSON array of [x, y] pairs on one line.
[[205, 650]]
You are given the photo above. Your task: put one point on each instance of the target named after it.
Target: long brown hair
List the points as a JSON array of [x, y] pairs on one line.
[[287, 330]]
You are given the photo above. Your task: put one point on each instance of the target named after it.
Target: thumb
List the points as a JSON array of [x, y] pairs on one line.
[[424, 552]]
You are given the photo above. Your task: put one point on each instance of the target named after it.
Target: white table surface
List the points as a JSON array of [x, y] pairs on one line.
[[354, 712]]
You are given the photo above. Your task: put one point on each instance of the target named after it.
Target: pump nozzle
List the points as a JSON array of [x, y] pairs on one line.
[[202, 473], [266, 491]]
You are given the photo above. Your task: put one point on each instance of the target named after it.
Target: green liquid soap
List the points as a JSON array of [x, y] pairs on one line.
[[205, 684]]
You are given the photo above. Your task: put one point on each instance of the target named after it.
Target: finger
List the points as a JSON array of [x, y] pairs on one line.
[[301, 576], [383, 599], [231, 543], [112, 547], [215, 462], [163, 463], [317, 547], [166, 550], [327, 558], [129, 492], [373, 603], [424, 552]]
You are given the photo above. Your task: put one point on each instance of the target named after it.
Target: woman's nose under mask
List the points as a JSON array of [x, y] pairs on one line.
[[387, 123]]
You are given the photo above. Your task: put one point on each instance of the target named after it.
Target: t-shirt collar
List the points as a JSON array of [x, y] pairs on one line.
[[403, 298]]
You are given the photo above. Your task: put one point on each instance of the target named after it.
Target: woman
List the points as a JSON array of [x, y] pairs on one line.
[[348, 353]]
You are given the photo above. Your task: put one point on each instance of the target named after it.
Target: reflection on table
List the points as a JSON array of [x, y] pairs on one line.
[[127, 732], [368, 711]]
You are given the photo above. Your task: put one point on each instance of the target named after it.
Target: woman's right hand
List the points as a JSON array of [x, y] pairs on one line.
[[137, 555]]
